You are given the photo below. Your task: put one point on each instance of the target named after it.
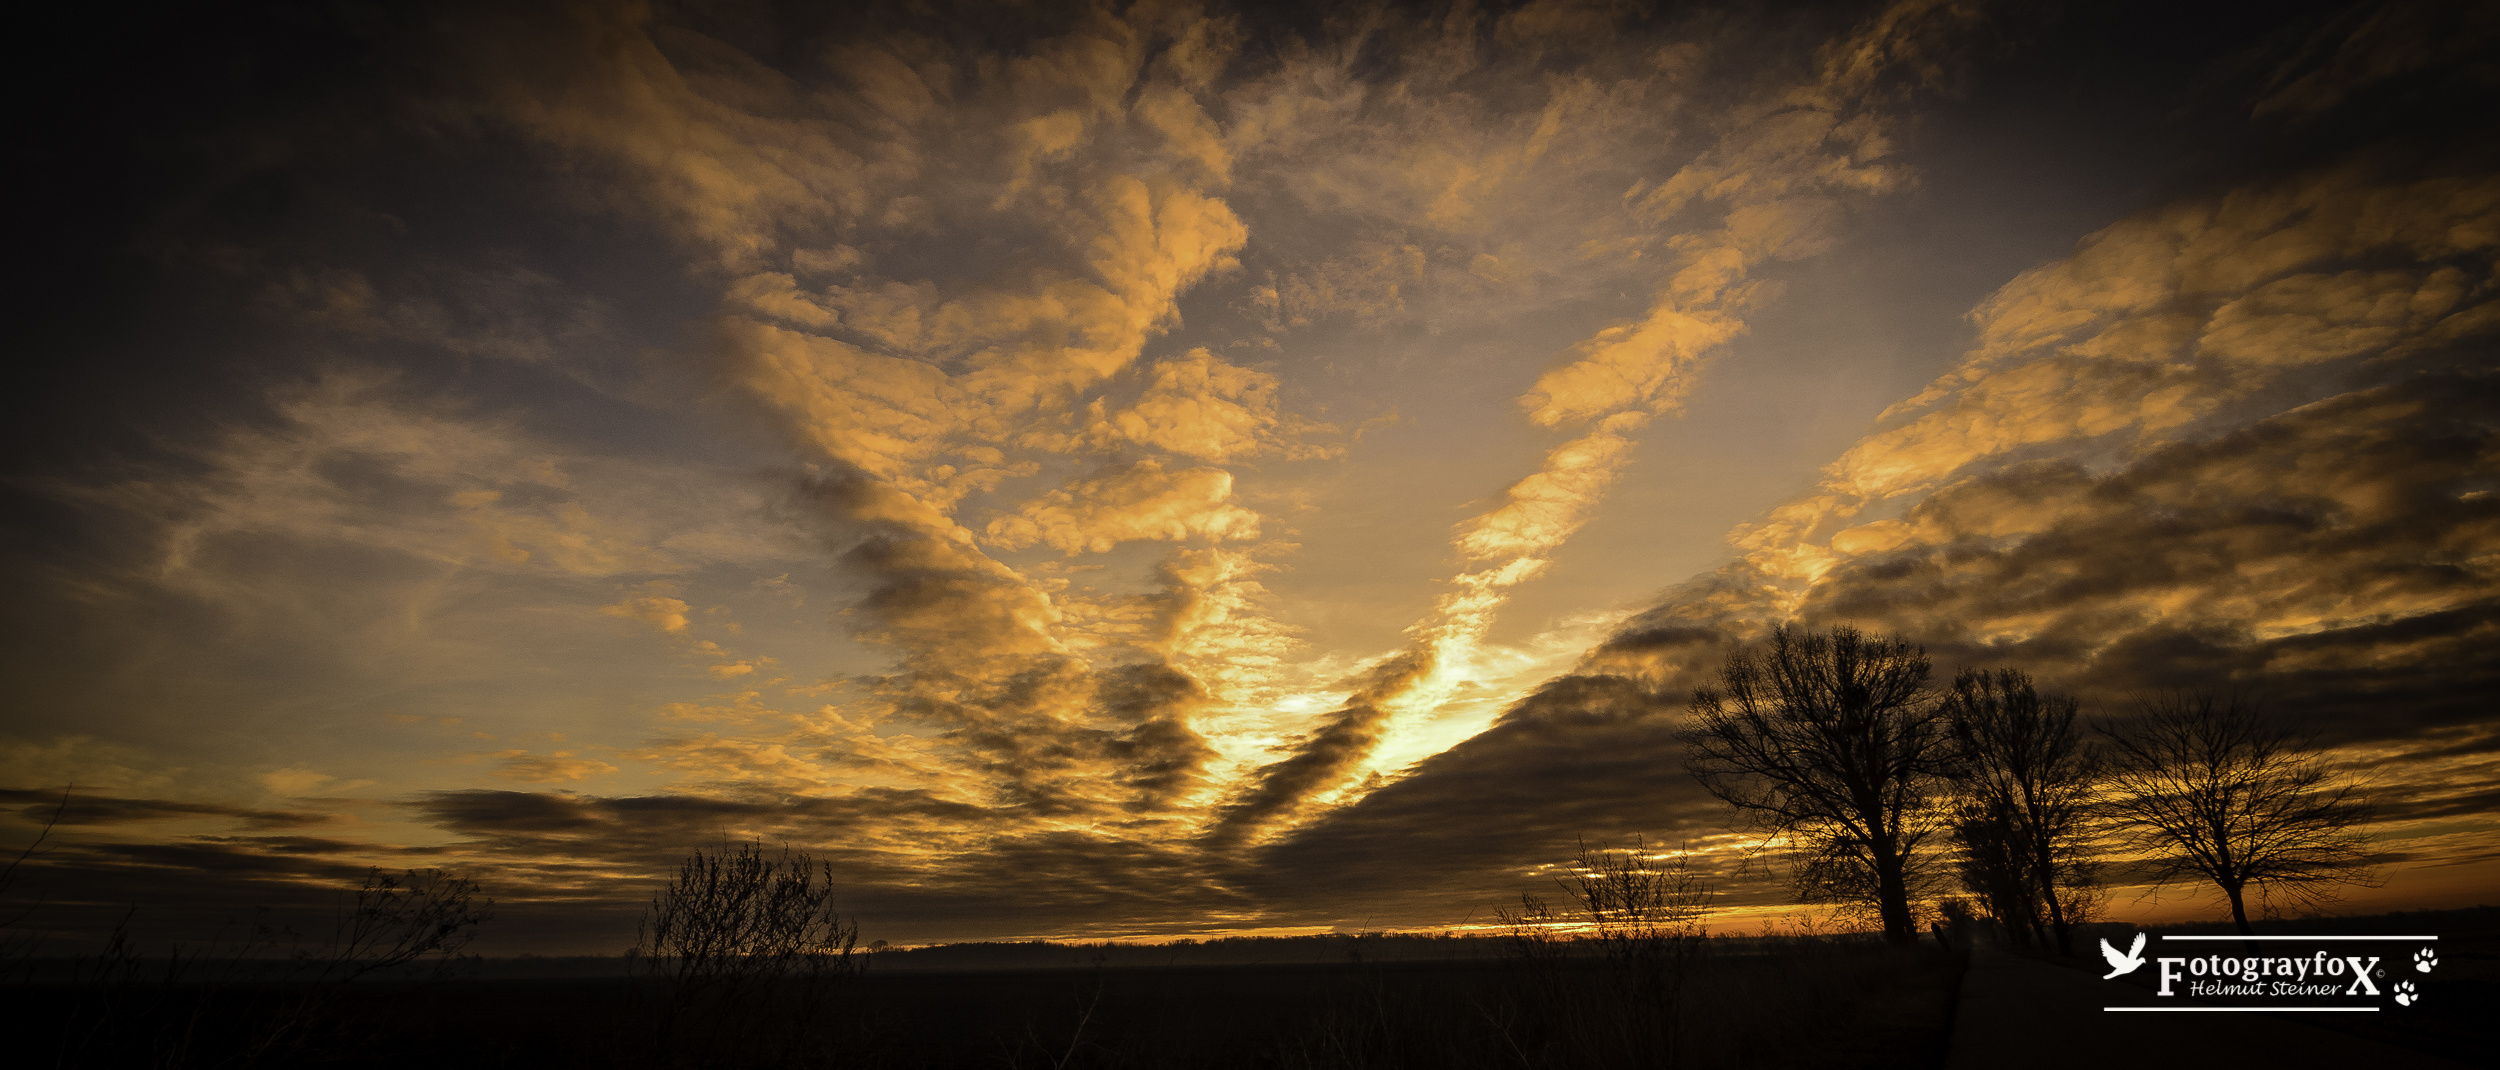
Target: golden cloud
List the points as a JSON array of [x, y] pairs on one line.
[[1142, 501], [556, 768], [659, 611], [2159, 322]]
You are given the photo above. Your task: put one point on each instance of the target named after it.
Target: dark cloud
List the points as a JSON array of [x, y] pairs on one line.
[[1048, 734], [2412, 48], [2469, 859], [546, 843], [1164, 759], [75, 810], [2351, 527], [644, 819], [1585, 757], [2373, 506], [230, 891], [491, 812], [286, 859], [568, 871], [1322, 760], [2411, 803]]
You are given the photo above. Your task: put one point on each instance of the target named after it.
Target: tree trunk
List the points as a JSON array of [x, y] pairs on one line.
[[2045, 875], [2056, 930], [1892, 900], [2239, 910]]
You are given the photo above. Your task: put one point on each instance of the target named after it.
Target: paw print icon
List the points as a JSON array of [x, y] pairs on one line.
[[2405, 995], [2424, 960]]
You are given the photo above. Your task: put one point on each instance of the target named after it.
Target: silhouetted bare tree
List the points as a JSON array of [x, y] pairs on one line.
[[1640, 910], [2025, 783], [752, 947], [9, 875], [1992, 867], [397, 919], [2216, 789], [1832, 741]]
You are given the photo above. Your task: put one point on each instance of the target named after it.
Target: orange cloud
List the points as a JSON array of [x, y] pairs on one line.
[[1143, 501], [556, 768], [659, 611]]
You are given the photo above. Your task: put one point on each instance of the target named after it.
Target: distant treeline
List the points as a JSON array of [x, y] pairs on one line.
[[988, 956], [1324, 948], [1223, 951]]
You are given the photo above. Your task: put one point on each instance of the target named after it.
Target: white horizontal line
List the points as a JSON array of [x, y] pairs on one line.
[[2300, 938], [2269, 1009]]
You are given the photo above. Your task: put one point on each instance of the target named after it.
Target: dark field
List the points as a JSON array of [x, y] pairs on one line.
[[1324, 1002], [1836, 1004]]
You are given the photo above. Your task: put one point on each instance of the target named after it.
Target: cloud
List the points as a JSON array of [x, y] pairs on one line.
[[659, 611], [501, 309], [2335, 558], [1201, 407], [2241, 440], [926, 392], [1772, 178], [1763, 191], [84, 761], [1018, 360], [1585, 756], [1546, 508], [1639, 364], [2373, 524], [880, 840], [1323, 760], [914, 384], [556, 768], [1164, 757], [2371, 44], [349, 459], [490, 812], [361, 537], [595, 80], [1142, 501], [1365, 283], [2117, 494], [2179, 322], [294, 781], [38, 807], [2111, 491], [2157, 321], [923, 391]]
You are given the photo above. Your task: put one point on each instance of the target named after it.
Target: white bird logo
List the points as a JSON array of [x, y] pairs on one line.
[[2127, 961]]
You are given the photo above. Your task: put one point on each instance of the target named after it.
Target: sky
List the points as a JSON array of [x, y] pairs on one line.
[[1149, 470]]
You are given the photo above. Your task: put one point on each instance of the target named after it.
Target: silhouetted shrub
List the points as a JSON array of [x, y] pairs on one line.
[[755, 959]]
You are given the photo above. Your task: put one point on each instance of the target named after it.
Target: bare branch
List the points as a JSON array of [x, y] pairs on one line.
[[1831, 740], [2023, 783], [2217, 791]]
